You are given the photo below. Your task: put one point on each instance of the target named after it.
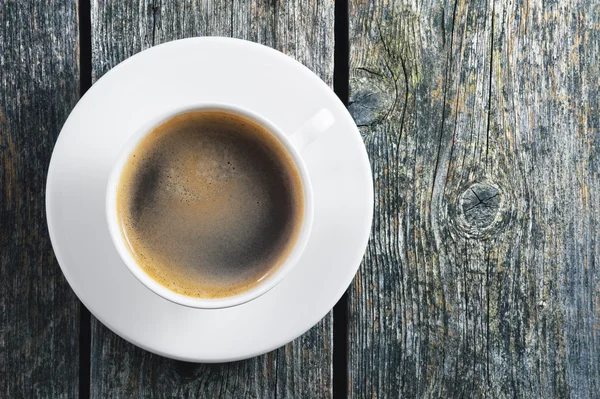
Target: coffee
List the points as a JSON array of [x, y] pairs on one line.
[[210, 204]]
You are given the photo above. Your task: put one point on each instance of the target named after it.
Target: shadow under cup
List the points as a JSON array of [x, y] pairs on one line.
[[209, 206]]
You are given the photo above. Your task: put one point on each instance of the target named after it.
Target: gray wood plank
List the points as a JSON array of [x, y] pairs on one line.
[[482, 276], [300, 28], [39, 314]]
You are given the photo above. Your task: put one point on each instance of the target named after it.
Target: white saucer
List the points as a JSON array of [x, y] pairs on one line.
[[186, 72]]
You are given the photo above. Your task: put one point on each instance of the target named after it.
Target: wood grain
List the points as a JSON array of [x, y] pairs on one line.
[[300, 28], [482, 277], [39, 314]]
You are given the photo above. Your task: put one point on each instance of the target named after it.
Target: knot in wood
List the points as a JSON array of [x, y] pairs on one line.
[[480, 204], [186, 372], [479, 210]]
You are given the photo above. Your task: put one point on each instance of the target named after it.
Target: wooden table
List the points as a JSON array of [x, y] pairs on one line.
[[481, 120]]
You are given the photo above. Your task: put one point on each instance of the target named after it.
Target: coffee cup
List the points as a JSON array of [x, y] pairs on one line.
[[156, 236]]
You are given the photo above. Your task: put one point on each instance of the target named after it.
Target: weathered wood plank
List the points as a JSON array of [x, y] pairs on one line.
[[39, 314], [481, 120], [301, 28]]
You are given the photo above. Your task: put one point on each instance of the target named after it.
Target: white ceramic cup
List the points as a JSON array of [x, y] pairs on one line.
[[292, 143]]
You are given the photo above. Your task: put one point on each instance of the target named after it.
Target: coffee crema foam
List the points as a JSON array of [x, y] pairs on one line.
[[210, 204]]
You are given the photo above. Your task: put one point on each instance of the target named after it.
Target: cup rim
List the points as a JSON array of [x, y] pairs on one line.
[[208, 303]]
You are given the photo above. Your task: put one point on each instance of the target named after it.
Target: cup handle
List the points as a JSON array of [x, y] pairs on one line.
[[313, 129]]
